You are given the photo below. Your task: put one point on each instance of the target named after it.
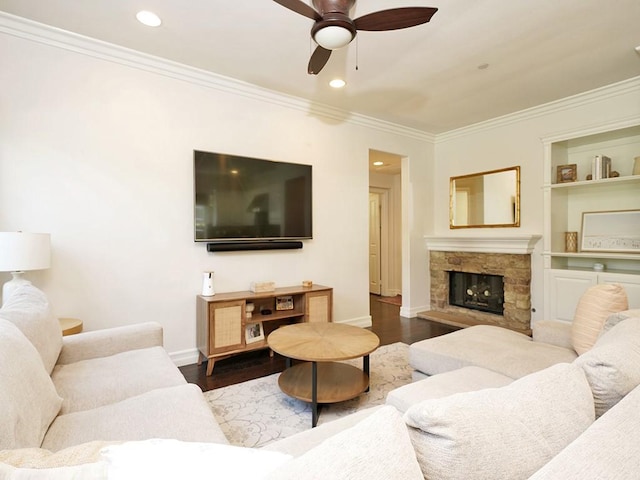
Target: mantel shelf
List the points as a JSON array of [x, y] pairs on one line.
[[515, 244]]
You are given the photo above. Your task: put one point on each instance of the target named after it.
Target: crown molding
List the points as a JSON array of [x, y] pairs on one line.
[[594, 129], [55, 37], [631, 85]]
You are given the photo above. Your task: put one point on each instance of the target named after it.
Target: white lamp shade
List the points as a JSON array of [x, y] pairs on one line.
[[333, 37], [22, 251]]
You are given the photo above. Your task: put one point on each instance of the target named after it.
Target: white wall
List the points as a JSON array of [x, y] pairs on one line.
[[97, 147], [517, 140]]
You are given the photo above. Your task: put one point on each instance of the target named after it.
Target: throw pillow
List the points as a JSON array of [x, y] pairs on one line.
[[28, 400], [593, 309], [172, 459], [502, 433], [612, 366], [376, 448], [28, 309]]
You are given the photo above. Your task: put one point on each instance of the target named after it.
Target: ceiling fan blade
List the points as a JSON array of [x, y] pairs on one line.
[[318, 60], [395, 18], [300, 7]]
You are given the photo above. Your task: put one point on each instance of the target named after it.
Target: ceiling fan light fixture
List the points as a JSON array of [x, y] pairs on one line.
[[337, 83], [333, 37]]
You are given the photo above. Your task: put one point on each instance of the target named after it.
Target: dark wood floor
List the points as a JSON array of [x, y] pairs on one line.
[[386, 323]]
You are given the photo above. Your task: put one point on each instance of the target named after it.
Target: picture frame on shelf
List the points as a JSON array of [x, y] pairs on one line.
[[567, 173], [284, 303], [615, 231], [253, 332]]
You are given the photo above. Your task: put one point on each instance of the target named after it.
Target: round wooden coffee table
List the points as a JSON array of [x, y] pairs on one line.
[[321, 345]]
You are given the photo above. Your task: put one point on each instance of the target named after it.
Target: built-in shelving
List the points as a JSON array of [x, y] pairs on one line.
[[569, 274]]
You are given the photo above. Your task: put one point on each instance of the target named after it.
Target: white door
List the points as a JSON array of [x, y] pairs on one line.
[[374, 243]]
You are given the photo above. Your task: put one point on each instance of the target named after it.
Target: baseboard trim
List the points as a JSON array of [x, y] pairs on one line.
[[185, 357], [413, 311]]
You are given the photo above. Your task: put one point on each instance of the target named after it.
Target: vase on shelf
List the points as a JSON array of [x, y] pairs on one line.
[[571, 242]]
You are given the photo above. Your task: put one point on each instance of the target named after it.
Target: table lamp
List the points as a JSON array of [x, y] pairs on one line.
[[20, 252]]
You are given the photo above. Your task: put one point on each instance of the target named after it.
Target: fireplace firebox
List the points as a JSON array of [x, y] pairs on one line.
[[477, 291]]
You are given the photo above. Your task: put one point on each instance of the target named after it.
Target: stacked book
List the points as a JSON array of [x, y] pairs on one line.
[[600, 167]]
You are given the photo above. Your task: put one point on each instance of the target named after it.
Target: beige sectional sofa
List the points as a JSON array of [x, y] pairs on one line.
[[112, 385], [574, 419], [570, 421]]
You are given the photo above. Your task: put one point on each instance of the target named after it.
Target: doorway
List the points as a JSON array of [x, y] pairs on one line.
[[385, 224]]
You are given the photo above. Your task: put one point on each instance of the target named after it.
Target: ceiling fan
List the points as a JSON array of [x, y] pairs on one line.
[[333, 28]]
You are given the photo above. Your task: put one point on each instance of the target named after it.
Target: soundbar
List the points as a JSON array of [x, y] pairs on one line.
[[236, 246]]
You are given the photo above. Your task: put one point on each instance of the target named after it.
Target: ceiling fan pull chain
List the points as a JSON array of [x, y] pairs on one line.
[[357, 43]]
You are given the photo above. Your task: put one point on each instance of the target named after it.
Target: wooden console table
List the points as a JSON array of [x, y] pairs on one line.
[[225, 327]]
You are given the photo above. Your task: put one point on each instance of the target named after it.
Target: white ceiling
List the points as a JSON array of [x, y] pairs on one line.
[[425, 77]]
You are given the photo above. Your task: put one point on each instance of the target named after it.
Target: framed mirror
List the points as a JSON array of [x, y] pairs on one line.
[[485, 199]]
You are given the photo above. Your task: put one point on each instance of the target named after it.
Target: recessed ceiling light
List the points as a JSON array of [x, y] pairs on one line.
[[149, 19], [378, 164], [337, 83], [234, 172]]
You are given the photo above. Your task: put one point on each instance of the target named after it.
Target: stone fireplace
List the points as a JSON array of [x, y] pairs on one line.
[[505, 258]]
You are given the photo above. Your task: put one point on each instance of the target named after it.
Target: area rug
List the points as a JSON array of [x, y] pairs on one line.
[[397, 300], [255, 413]]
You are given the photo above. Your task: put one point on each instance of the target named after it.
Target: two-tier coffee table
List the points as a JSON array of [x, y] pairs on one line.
[[321, 379]]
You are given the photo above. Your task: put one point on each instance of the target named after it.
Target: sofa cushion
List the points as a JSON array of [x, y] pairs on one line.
[[495, 348], [376, 448], [610, 448], [616, 318], [612, 366], [28, 399], [179, 412], [41, 458], [88, 471], [100, 381], [305, 440], [593, 309], [466, 379], [28, 308], [172, 459], [502, 433]]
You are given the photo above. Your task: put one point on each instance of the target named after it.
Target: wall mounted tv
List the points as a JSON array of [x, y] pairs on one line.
[[239, 200]]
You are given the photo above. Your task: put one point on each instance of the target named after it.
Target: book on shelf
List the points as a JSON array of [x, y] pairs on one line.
[[600, 167]]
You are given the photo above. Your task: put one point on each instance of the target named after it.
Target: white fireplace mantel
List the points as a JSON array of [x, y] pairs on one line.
[[516, 244]]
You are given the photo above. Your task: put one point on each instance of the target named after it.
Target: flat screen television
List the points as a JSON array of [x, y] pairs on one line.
[[245, 199]]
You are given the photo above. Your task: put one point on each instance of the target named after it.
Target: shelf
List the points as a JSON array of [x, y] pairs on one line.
[[594, 183], [278, 315], [591, 270], [614, 256]]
